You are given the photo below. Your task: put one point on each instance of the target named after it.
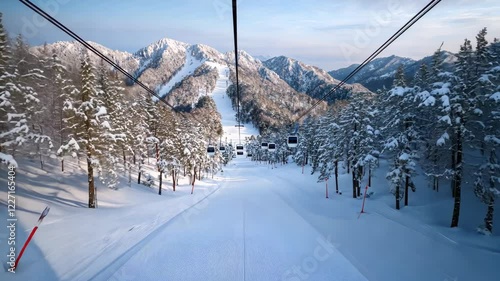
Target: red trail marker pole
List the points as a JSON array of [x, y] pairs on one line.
[[42, 216]]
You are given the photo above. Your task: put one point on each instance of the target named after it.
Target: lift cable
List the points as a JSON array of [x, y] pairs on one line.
[[68, 31], [402, 30], [235, 30]]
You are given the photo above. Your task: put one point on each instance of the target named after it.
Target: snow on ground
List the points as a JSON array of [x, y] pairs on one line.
[[74, 242], [252, 223], [224, 107], [249, 222]]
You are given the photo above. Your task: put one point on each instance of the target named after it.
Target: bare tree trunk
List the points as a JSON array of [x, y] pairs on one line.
[[173, 180], [407, 183], [129, 175], [353, 184], [369, 177], [453, 165], [458, 180], [337, 176], [488, 220], [90, 176], [41, 160], [193, 180], [62, 165], [397, 197], [358, 182], [161, 178]]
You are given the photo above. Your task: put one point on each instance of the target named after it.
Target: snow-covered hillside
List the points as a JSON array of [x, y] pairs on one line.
[[307, 79], [380, 72], [248, 223], [232, 133]]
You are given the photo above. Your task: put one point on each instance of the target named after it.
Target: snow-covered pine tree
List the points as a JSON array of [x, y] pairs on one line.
[[427, 93], [352, 135], [306, 143], [170, 144], [7, 107], [330, 150], [20, 104], [400, 138], [487, 184], [115, 144], [459, 105], [86, 118], [421, 79]]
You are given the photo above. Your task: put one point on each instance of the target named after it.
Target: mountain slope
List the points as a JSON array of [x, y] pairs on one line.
[[380, 72], [268, 101], [311, 80]]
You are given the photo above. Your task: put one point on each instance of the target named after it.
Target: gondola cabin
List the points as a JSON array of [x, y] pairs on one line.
[[239, 147], [271, 147], [263, 145], [211, 151], [239, 152], [222, 148], [292, 141]]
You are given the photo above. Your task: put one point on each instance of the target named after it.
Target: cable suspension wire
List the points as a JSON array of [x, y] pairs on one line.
[[68, 31], [389, 41], [235, 30]]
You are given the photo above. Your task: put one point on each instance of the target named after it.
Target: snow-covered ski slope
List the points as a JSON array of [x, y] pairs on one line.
[[191, 64], [244, 231], [224, 107], [248, 223]]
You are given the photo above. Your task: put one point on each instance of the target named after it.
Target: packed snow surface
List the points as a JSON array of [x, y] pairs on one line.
[[250, 222]]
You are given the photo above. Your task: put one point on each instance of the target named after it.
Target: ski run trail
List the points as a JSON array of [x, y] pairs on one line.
[[247, 223], [242, 232]]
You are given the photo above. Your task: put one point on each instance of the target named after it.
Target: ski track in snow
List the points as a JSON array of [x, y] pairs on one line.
[[224, 107], [246, 232], [260, 238], [250, 223]]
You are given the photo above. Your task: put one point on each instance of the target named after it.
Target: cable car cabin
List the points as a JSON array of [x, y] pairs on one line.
[[239, 147], [271, 147], [263, 145], [222, 148], [239, 152], [249, 154], [292, 141], [211, 151]]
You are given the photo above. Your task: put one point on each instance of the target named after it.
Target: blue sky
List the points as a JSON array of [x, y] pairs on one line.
[[326, 33]]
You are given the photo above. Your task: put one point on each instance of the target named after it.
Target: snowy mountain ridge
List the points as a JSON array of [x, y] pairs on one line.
[[306, 78], [380, 72], [157, 64]]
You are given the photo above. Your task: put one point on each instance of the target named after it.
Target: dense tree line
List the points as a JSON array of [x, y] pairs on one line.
[[446, 122], [48, 109]]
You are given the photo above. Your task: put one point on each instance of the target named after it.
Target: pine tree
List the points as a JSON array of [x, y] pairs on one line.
[[19, 103], [428, 94], [401, 139], [487, 184], [115, 132], [86, 119], [399, 77], [7, 107]]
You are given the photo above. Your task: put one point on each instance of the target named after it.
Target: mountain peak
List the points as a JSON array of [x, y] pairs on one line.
[[160, 46]]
